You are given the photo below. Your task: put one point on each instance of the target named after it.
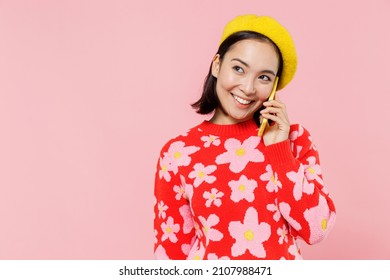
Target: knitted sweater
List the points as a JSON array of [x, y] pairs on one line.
[[222, 194]]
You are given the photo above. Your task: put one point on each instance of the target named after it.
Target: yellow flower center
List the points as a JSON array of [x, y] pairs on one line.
[[241, 187], [249, 235], [169, 230], [212, 139], [273, 179], [240, 152], [311, 170], [177, 155], [212, 196], [206, 230], [197, 257], [164, 168], [181, 191], [201, 174], [324, 224]]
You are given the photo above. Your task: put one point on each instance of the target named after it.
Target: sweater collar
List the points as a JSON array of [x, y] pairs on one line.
[[246, 127]]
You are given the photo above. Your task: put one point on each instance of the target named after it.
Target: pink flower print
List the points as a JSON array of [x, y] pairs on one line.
[[208, 230], [213, 197], [160, 253], [285, 210], [301, 184], [282, 232], [164, 169], [296, 133], [249, 235], [188, 188], [170, 229], [313, 170], [202, 174], [197, 251], [211, 139], [293, 250], [320, 220], [179, 190], [239, 155], [273, 184], [242, 189], [213, 256], [179, 155], [161, 209], [188, 224], [274, 208], [155, 236], [186, 248], [198, 230]]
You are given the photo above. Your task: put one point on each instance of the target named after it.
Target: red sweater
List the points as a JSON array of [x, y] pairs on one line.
[[222, 194]]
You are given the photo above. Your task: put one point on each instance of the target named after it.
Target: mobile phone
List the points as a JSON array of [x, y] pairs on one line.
[[264, 121]]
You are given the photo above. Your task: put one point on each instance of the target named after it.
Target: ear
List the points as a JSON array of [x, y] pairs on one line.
[[216, 66]]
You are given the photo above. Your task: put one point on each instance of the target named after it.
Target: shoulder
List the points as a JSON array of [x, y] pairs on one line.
[[187, 138]]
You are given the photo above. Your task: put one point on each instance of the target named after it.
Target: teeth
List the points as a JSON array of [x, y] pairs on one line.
[[241, 101]]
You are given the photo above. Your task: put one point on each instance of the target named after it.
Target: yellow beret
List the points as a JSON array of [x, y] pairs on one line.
[[270, 28]]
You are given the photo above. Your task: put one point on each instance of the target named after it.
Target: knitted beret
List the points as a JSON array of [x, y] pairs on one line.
[[270, 28]]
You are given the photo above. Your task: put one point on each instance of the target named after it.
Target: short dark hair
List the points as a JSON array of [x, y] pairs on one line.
[[209, 101]]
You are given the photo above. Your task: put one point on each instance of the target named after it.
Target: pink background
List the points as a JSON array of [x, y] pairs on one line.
[[91, 90]]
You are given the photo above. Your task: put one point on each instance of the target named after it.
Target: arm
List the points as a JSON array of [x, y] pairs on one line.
[[173, 223], [303, 200]]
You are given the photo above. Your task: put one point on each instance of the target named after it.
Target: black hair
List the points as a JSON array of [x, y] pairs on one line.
[[209, 101]]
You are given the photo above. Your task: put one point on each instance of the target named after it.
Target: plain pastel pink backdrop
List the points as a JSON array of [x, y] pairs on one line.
[[91, 90]]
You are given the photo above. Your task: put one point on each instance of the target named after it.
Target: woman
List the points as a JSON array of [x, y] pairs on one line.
[[224, 192]]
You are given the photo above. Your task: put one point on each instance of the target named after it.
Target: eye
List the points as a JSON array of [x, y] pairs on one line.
[[238, 69], [264, 78]]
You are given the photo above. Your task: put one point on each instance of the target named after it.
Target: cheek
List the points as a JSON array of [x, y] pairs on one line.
[[263, 94], [227, 81]]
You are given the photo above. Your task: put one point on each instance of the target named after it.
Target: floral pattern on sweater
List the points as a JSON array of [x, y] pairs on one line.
[[222, 194]]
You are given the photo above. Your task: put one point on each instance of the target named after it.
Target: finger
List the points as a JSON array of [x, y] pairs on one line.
[[274, 103]]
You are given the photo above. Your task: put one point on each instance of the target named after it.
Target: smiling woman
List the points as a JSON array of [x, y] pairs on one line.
[[222, 191]]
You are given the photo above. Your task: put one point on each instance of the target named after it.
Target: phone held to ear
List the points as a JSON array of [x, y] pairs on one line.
[[264, 122]]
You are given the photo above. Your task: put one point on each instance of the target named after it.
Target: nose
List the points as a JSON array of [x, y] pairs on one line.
[[247, 86]]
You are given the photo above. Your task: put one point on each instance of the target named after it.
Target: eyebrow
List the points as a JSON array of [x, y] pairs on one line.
[[247, 65]]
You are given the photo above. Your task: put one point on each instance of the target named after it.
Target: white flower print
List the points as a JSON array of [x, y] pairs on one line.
[[208, 230], [242, 189], [249, 235], [170, 229], [161, 209], [240, 154], [202, 174], [282, 232], [210, 140], [213, 197], [273, 184]]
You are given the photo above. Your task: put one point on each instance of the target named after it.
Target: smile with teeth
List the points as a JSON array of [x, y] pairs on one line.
[[241, 100]]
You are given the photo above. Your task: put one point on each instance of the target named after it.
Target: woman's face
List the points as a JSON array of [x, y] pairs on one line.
[[245, 78]]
